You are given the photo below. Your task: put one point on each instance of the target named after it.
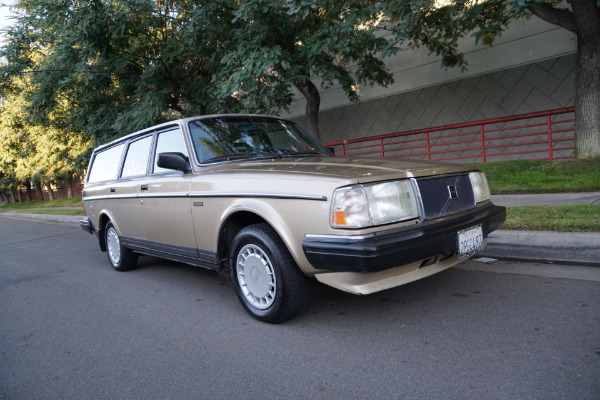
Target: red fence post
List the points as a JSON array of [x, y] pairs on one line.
[[550, 138], [482, 143], [427, 145]]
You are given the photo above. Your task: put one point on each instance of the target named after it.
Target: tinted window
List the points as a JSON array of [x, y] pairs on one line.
[[106, 164], [136, 160], [170, 141]]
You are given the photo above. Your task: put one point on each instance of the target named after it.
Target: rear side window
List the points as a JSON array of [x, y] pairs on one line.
[[106, 165], [136, 160], [169, 141]]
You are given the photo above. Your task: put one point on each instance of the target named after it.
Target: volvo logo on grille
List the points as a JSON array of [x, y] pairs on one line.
[[452, 192]]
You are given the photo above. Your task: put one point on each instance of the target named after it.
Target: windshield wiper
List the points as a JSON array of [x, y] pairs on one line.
[[301, 153], [240, 156]]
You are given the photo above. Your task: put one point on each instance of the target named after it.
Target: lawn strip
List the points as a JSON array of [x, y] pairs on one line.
[[572, 218], [542, 176]]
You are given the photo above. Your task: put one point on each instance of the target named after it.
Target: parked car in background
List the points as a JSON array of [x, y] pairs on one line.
[[259, 198]]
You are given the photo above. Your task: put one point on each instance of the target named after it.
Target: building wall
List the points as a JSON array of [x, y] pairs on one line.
[[529, 68], [539, 86]]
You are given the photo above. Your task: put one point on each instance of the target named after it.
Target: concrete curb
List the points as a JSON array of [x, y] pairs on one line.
[[45, 217], [547, 199], [550, 247]]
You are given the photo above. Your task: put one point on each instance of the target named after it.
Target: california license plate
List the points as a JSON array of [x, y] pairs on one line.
[[470, 241]]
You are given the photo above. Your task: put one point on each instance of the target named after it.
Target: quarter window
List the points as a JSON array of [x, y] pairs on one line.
[[136, 160], [106, 165]]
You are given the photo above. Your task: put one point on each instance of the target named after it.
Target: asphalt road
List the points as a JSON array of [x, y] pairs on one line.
[[72, 328]]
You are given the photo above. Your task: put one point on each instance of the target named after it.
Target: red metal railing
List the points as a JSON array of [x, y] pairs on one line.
[[545, 135]]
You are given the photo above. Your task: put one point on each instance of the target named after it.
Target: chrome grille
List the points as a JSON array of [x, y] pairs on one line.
[[445, 195]]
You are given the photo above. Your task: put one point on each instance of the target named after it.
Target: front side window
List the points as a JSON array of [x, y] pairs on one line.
[[106, 165], [169, 141], [244, 137], [136, 160]]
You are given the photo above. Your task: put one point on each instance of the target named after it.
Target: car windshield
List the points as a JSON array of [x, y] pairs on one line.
[[247, 137]]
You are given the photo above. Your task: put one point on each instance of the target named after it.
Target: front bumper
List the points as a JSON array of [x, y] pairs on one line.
[[435, 239]]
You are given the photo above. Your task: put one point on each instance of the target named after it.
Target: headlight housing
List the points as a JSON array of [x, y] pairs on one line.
[[362, 206], [480, 186]]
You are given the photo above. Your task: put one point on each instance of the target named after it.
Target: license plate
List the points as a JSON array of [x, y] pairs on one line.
[[470, 241]]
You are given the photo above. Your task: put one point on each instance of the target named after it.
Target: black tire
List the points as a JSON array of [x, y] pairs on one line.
[[121, 258], [265, 277]]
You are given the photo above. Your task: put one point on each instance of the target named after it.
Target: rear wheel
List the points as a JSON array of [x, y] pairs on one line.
[[266, 279], [120, 257]]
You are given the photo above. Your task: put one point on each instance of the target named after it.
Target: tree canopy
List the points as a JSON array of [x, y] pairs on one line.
[[280, 45]]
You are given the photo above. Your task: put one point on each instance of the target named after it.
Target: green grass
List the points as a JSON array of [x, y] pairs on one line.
[[43, 211], [559, 176], [74, 202], [575, 218]]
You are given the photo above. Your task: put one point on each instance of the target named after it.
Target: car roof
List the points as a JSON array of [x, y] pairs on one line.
[[179, 122]]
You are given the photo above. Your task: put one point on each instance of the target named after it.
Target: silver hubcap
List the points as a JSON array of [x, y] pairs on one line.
[[256, 276], [113, 246]]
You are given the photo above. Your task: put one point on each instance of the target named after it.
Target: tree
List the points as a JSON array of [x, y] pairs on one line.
[[37, 153], [120, 65], [439, 24], [280, 45]]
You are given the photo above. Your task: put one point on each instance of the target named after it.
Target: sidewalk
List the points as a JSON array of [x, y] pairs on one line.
[[570, 248], [547, 247]]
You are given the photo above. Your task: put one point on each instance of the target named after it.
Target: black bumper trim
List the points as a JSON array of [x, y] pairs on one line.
[[400, 247], [86, 225]]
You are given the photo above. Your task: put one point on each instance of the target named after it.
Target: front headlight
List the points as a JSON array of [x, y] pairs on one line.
[[362, 206], [480, 186]]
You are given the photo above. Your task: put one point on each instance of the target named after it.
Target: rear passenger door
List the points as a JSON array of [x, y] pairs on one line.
[[124, 203], [166, 207]]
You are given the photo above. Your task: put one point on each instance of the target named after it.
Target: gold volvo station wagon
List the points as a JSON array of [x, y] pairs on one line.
[[258, 198]]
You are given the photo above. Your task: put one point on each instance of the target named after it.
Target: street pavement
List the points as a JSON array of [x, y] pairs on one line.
[[73, 328], [566, 248]]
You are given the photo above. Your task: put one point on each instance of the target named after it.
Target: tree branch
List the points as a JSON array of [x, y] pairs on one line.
[[557, 16]]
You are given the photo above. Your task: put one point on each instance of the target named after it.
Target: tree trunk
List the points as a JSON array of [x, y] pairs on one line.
[[28, 193], [587, 102], [584, 21], [70, 186], [587, 79], [39, 190], [17, 195], [313, 102], [50, 192]]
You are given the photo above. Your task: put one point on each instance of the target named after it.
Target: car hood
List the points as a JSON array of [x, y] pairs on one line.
[[361, 169]]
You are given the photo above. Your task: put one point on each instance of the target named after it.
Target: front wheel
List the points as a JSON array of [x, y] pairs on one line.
[[266, 279], [120, 257]]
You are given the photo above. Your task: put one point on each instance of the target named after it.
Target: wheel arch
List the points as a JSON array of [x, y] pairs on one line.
[[230, 227], [245, 213], [102, 221]]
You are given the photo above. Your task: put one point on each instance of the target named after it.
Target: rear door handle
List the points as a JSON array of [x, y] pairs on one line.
[[144, 187], [112, 190]]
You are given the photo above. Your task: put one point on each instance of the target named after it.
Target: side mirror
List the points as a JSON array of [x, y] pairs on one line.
[[176, 161], [331, 150]]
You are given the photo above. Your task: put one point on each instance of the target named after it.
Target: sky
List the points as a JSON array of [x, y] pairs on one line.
[[4, 16]]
